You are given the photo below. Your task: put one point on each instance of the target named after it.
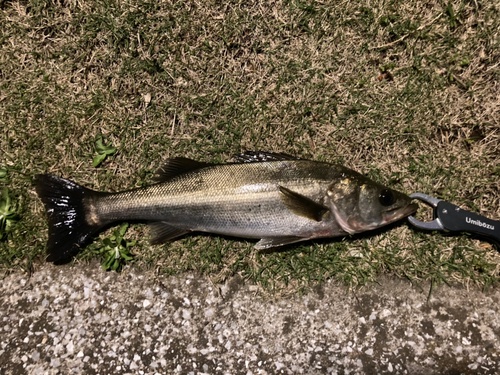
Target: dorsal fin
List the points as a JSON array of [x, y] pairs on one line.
[[260, 156], [176, 166]]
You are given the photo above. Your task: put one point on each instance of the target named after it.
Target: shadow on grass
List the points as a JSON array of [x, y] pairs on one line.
[[336, 240], [275, 250]]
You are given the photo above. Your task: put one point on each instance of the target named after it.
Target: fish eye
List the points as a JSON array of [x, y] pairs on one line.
[[386, 197]]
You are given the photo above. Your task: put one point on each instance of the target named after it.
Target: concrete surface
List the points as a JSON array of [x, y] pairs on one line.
[[82, 320]]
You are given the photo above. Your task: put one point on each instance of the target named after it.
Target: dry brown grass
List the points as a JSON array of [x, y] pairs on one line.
[[406, 92]]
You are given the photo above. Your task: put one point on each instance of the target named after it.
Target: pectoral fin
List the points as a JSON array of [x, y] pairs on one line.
[[162, 232], [302, 206], [266, 243]]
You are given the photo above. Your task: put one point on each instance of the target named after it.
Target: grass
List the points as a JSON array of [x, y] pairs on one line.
[[403, 91]]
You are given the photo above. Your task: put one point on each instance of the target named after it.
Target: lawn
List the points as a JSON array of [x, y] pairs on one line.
[[406, 92]]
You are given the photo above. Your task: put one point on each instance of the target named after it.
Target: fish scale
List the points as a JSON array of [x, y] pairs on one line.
[[234, 199]]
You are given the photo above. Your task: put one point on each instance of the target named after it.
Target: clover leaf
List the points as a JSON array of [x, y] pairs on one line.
[[4, 175], [8, 214], [103, 151], [116, 250]]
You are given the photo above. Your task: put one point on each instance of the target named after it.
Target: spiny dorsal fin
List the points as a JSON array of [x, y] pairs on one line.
[[162, 232], [302, 206], [260, 156], [174, 167]]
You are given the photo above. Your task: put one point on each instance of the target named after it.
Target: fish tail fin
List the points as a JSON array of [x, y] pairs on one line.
[[67, 213]]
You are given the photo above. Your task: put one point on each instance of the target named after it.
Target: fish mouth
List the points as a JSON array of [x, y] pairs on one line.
[[399, 213]]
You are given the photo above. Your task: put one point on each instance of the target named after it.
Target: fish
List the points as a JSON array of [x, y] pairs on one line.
[[276, 198]]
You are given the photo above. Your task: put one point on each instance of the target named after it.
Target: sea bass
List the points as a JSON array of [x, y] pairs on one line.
[[276, 198]]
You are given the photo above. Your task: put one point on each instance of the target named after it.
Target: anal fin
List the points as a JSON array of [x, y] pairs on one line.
[[266, 243], [162, 232]]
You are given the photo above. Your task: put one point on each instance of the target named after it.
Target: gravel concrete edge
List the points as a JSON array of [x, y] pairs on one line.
[[82, 320]]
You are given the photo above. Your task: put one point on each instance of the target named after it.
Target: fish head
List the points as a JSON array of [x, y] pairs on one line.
[[360, 204]]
